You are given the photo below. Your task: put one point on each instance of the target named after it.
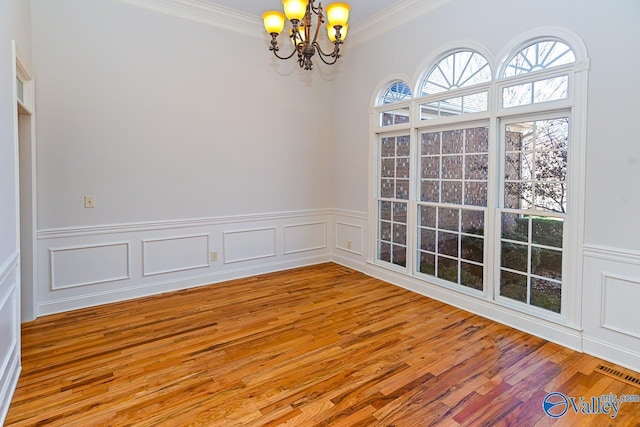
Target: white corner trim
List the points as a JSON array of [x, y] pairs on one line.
[[392, 17], [205, 12]]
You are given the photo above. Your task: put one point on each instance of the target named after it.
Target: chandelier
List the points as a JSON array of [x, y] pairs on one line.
[[303, 37]]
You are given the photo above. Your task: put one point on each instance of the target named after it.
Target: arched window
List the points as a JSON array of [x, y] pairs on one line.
[[396, 92], [473, 186], [538, 56], [460, 69], [457, 70]]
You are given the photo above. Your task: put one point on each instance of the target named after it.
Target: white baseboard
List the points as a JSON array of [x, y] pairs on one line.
[[612, 353]]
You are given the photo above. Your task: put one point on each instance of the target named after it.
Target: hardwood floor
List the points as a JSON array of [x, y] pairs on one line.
[[316, 346]]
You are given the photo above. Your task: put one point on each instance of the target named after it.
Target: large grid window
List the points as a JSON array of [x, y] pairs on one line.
[[453, 183], [473, 176]]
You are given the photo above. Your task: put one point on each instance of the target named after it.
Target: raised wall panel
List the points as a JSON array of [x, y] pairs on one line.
[[8, 325], [305, 237], [620, 297], [89, 265], [174, 254], [349, 237], [246, 245]]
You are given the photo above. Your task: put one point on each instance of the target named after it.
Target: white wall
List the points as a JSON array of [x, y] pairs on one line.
[[14, 25], [163, 118], [612, 36], [179, 129]]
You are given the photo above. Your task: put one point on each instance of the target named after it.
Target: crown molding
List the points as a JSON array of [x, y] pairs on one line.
[[392, 17], [205, 12], [209, 13]]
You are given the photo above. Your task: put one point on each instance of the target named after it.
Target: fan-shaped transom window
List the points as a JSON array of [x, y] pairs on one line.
[[460, 69], [539, 56], [396, 92]]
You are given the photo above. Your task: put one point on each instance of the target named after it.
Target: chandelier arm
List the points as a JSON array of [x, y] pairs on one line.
[[275, 52], [335, 54], [319, 23]]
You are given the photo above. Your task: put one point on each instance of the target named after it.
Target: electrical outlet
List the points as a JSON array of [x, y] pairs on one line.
[[89, 201], [349, 244], [214, 256]]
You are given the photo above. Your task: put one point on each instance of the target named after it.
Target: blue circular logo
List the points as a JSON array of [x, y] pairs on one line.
[[555, 404]]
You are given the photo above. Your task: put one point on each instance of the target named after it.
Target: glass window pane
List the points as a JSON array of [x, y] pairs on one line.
[[547, 231], [513, 286], [473, 222], [402, 167], [452, 142], [431, 167], [402, 189], [516, 95], [404, 148], [387, 188], [427, 240], [472, 248], [448, 219], [430, 143], [385, 231], [546, 263], [428, 216], [514, 256], [399, 255], [452, 192], [476, 167], [400, 234], [387, 167], [452, 167], [477, 140], [388, 147], [551, 89], [400, 212], [448, 243], [475, 103], [448, 269], [475, 193], [427, 263], [384, 252], [471, 275], [546, 294], [385, 210], [430, 111], [430, 191], [518, 195], [515, 227]]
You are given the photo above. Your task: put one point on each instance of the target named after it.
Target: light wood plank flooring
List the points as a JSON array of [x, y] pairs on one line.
[[315, 346]]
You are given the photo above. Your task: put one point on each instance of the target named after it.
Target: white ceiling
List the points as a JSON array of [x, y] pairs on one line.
[[361, 10]]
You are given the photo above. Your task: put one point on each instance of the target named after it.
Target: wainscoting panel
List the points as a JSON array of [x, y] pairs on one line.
[[89, 264], [86, 266], [173, 254], [349, 237], [9, 331], [305, 237], [247, 245], [610, 306], [620, 298]]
